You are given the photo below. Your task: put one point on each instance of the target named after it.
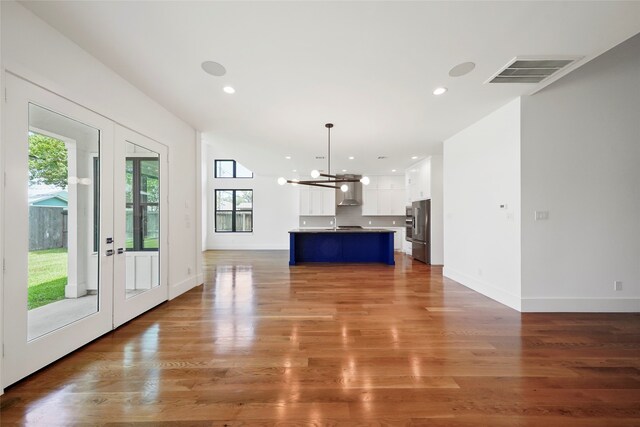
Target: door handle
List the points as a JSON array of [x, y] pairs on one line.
[[120, 251], [109, 252]]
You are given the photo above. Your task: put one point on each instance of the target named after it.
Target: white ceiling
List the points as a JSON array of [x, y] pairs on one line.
[[368, 67]]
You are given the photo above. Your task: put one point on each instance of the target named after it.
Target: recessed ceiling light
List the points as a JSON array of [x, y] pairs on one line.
[[214, 68], [287, 157], [229, 89], [439, 90], [344, 170], [295, 170], [393, 170], [351, 157], [414, 157]]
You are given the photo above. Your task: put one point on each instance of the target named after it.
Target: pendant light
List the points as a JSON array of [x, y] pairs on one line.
[[330, 181]]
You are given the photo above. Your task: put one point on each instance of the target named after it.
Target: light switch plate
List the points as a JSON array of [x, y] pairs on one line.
[[541, 215]]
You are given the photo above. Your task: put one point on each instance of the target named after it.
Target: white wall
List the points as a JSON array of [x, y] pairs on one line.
[[200, 202], [204, 191], [482, 172], [34, 50], [275, 208], [581, 163], [437, 210]]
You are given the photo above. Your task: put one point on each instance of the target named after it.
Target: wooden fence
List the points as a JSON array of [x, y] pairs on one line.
[[47, 228]]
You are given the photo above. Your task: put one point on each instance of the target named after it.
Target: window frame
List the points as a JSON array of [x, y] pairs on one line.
[[235, 170], [233, 210]]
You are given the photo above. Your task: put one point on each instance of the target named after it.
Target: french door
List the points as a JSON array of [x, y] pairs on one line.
[[69, 210], [140, 219]]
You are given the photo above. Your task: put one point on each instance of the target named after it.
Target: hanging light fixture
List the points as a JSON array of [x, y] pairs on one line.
[[330, 181]]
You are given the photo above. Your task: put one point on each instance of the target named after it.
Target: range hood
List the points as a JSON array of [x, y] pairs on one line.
[[353, 196]]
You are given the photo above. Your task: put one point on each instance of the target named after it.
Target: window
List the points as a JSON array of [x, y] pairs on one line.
[[234, 211], [142, 204], [231, 169]]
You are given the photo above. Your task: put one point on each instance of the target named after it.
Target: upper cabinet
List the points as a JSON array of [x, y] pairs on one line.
[[317, 201], [384, 196], [418, 179]]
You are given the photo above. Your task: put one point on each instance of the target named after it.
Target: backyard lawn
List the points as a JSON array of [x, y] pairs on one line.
[[149, 243], [47, 276]]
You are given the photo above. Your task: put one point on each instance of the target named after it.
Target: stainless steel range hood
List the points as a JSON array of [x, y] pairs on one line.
[[353, 196]]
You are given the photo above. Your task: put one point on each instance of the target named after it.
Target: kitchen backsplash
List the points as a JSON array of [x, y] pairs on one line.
[[351, 215]]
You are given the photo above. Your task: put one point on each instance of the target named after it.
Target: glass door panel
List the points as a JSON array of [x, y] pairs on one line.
[[143, 219], [140, 222], [63, 199]]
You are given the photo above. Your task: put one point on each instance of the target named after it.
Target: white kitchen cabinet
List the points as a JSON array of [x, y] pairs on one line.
[[398, 237], [384, 201], [391, 182], [317, 201], [407, 247], [370, 201], [419, 181], [384, 196], [373, 183], [304, 200], [397, 203], [328, 201]]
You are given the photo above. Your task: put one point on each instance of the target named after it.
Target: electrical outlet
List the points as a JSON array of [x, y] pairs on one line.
[[304, 222], [617, 285], [394, 223], [369, 222], [189, 271]]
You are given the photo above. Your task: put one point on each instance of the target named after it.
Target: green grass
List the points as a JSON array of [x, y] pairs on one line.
[[47, 276], [46, 293], [149, 243]]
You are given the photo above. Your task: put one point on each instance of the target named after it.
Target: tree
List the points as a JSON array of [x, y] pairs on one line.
[[47, 161]]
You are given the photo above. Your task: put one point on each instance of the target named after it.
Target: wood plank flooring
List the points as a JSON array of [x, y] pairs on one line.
[[264, 344]]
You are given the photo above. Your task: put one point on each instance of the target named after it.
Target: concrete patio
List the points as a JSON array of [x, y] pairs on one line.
[[50, 317]]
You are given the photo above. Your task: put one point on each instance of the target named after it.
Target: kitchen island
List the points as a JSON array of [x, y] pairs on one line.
[[341, 245]]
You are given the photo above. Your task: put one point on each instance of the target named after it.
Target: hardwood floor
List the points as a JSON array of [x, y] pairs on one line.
[[264, 344]]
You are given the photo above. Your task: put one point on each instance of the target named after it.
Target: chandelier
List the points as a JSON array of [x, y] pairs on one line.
[[328, 181]]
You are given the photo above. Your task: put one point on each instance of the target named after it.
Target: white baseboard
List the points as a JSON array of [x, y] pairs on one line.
[[178, 289], [199, 279], [484, 288], [581, 305]]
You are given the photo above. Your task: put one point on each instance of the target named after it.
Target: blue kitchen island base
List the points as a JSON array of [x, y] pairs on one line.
[[337, 246]]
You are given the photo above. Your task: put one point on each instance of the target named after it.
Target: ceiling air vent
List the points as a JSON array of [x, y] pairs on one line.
[[319, 157], [530, 70]]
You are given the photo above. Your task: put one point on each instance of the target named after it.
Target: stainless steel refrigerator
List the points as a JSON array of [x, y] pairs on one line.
[[421, 230]]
